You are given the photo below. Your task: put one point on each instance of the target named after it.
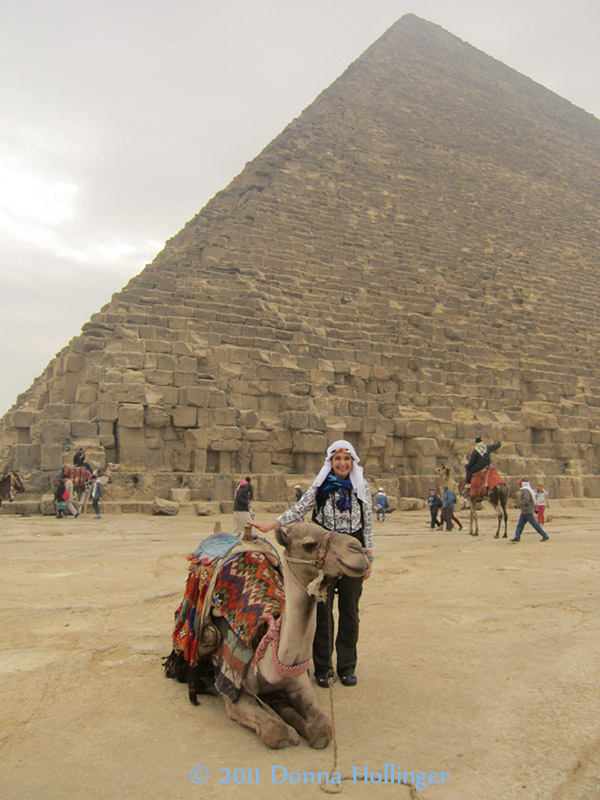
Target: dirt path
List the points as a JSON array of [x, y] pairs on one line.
[[479, 659]]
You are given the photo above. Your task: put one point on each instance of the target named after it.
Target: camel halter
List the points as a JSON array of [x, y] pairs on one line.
[[315, 588]]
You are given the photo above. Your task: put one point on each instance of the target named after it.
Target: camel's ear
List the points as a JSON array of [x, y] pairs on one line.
[[281, 536]]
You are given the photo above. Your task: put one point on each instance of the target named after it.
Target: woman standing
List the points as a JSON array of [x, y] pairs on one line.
[[341, 501]]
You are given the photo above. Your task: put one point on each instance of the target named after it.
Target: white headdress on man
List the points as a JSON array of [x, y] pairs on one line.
[[356, 474]]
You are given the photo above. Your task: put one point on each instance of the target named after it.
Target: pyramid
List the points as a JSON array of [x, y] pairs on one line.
[[411, 263]]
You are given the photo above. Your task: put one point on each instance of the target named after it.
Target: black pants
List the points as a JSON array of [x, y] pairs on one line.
[[349, 591]]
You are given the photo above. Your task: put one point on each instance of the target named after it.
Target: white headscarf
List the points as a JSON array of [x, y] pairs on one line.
[[526, 486], [356, 474]]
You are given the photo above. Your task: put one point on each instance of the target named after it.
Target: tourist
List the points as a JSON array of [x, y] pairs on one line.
[[241, 508], [95, 495], [69, 501], [527, 505], [381, 504], [480, 458], [60, 500], [448, 503], [434, 501], [541, 504], [340, 501]]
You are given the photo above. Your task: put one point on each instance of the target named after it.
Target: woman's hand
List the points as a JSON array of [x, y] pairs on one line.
[[265, 528]]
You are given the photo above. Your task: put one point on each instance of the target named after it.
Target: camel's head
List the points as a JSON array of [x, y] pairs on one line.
[[319, 556]]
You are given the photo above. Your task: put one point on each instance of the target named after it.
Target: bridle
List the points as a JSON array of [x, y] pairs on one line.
[[318, 586]]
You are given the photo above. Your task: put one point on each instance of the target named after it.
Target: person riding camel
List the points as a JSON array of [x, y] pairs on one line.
[[480, 460]]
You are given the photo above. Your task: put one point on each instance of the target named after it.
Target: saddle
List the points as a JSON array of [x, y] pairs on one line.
[[241, 583], [483, 482]]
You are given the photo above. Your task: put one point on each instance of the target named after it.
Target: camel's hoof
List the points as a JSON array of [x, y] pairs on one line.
[[496, 536], [276, 738]]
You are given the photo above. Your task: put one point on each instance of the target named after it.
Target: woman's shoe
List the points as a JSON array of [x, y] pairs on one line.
[[349, 680], [324, 680]]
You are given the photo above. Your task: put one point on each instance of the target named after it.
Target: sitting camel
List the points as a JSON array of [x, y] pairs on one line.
[[497, 495], [275, 698]]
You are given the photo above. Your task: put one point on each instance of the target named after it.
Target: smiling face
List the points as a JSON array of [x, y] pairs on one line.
[[341, 464]]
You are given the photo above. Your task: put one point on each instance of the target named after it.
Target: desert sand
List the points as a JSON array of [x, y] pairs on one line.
[[478, 659]]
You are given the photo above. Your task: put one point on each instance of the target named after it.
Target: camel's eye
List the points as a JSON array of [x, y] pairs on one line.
[[309, 545]]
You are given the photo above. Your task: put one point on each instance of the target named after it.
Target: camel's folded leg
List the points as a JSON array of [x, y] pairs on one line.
[[302, 713], [273, 731]]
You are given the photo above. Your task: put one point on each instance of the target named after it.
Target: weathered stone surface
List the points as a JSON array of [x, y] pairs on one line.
[[237, 351], [164, 507]]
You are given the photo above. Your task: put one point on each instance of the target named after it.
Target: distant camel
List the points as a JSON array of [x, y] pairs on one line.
[[497, 496], [12, 480]]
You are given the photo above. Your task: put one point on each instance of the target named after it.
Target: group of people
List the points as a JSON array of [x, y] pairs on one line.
[[64, 493], [530, 500], [445, 504]]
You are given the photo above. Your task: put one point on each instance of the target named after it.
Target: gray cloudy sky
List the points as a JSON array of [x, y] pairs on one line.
[[121, 119]]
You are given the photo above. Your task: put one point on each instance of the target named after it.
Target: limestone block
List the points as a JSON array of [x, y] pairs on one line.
[[73, 362], [156, 417], [224, 416], [81, 429], [281, 441], [224, 446], [108, 410], [159, 377], [195, 439], [46, 505], [260, 462], [181, 495], [54, 430], [185, 416], [296, 420], [258, 436], [198, 461], [249, 419], [86, 394], [136, 450], [131, 415], [22, 419], [51, 456], [193, 396], [207, 509], [164, 507], [26, 456], [157, 346], [309, 442], [181, 348], [421, 446], [354, 425]]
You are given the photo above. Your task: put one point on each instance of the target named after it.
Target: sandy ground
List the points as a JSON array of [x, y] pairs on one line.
[[478, 658]]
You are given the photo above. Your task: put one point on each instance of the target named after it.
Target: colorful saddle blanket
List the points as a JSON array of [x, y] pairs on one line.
[[248, 590], [484, 480], [79, 475]]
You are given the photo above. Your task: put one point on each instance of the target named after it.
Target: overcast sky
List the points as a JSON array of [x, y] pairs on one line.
[[120, 119]]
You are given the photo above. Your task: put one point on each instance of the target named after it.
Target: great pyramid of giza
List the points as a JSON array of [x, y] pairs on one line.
[[411, 263]]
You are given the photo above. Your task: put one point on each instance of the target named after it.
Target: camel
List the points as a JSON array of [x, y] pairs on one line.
[[12, 480], [277, 700], [81, 477], [498, 497]]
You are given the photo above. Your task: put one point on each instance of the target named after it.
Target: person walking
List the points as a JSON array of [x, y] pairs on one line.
[[448, 503], [434, 501], [340, 501], [527, 506], [381, 504], [241, 508], [95, 495]]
